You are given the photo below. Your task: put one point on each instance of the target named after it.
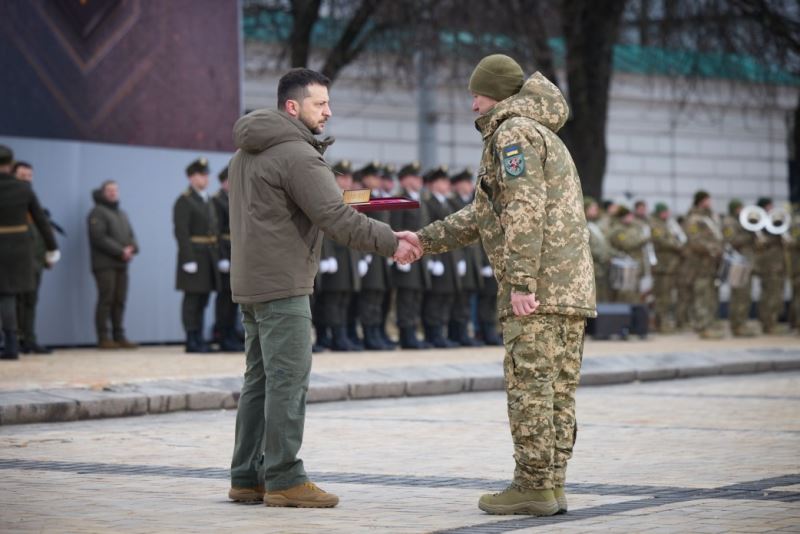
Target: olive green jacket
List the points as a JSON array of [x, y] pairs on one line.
[[282, 196], [528, 207], [109, 233]]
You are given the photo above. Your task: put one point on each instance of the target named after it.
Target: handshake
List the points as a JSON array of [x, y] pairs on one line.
[[409, 248]]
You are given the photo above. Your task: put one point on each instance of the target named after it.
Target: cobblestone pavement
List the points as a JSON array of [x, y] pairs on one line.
[[715, 454]]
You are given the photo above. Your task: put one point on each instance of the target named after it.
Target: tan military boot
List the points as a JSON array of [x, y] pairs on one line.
[[514, 500], [746, 330], [107, 344], [124, 343], [561, 498], [306, 495], [252, 495], [711, 333]]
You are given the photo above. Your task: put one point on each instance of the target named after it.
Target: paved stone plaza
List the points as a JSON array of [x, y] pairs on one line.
[[717, 454]]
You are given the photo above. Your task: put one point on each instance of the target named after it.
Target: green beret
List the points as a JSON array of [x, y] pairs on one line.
[[660, 208], [6, 155], [464, 176], [435, 174], [409, 169], [496, 76], [198, 166], [734, 205], [588, 201], [343, 167], [700, 196], [763, 202], [622, 211]]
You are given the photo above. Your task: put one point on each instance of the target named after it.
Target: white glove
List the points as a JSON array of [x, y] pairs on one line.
[[52, 256], [403, 268], [333, 265], [436, 268], [389, 262], [190, 267], [368, 258], [323, 266], [487, 271], [461, 267], [224, 266], [363, 267]]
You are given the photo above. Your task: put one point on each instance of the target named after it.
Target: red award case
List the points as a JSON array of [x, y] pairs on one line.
[[360, 200]]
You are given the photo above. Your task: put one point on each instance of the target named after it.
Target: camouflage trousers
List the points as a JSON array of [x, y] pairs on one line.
[[771, 301], [705, 302], [739, 305], [663, 299], [542, 369], [794, 306]]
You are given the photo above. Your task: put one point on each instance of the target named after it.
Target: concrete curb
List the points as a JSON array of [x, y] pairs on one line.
[[161, 396]]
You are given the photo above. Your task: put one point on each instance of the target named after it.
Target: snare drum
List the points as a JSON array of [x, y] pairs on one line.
[[624, 274], [735, 269]]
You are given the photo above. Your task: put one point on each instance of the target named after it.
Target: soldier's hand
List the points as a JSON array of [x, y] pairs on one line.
[[190, 267], [409, 248], [523, 303]]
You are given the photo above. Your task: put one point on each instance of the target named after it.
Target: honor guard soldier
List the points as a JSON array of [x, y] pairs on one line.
[[413, 279], [196, 232], [668, 240], [771, 268], [705, 247], [794, 262], [743, 242], [487, 303], [225, 308], [338, 280], [468, 267], [445, 282], [374, 272], [17, 203]]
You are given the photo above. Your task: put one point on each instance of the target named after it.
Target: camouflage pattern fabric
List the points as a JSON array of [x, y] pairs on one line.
[[771, 268], [705, 244], [629, 239], [794, 263], [602, 252], [668, 249], [542, 369], [683, 283], [743, 242], [528, 214]]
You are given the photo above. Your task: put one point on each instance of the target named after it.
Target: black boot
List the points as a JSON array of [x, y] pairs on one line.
[[435, 336], [490, 336], [408, 339], [11, 347], [385, 337], [376, 342], [229, 342], [324, 341], [462, 336], [195, 342], [341, 342]]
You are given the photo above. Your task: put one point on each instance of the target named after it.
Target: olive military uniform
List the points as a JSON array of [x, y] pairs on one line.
[[469, 273], [339, 283], [629, 239], [668, 247], [770, 266], [196, 231], [225, 308], [705, 245], [743, 242]]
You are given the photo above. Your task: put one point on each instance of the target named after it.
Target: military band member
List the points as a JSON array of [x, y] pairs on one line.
[[771, 268], [196, 233], [602, 251], [113, 247], [743, 242], [225, 308], [374, 272], [794, 262], [705, 246], [411, 280], [627, 236], [468, 267], [668, 240], [445, 281]]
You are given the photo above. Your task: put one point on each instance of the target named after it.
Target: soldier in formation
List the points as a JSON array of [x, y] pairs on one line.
[[742, 242], [668, 240]]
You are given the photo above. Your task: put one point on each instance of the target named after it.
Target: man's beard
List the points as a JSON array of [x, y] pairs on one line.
[[316, 129]]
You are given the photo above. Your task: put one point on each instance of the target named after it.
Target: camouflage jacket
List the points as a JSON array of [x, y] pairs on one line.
[[742, 241], [705, 241], [630, 239], [528, 207], [770, 259], [602, 251], [667, 245]]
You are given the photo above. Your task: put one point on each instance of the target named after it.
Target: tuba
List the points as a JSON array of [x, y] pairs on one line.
[[755, 219]]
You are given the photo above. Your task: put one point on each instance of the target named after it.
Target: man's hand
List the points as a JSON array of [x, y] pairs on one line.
[[409, 248], [127, 253], [523, 303]]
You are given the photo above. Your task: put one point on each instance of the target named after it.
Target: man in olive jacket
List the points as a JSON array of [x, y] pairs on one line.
[[113, 246], [283, 195]]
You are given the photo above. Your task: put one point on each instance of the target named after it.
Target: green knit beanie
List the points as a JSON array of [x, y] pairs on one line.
[[496, 76]]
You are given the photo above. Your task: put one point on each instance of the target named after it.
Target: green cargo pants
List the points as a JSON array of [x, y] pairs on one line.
[[272, 405], [542, 369]]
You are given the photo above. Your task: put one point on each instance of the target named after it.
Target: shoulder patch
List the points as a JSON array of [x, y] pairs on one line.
[[693, 229], [513, 160]]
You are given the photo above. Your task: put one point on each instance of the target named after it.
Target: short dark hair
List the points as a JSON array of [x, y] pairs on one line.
[[23, 164], [639, 204], [292, 85], [106, 183]]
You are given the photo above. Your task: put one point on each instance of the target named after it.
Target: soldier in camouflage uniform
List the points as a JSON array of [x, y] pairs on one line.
[[528, 214], [705, 245], [469, 266], [794, 262], [668, 247], [626, 236], [744, 242], [602, 251], [683, 284], [771, 268]]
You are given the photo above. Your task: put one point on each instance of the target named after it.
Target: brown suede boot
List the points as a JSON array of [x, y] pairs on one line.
[[252, 495], [516, 500], [123, 343], [306, 495], [107, 344]]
